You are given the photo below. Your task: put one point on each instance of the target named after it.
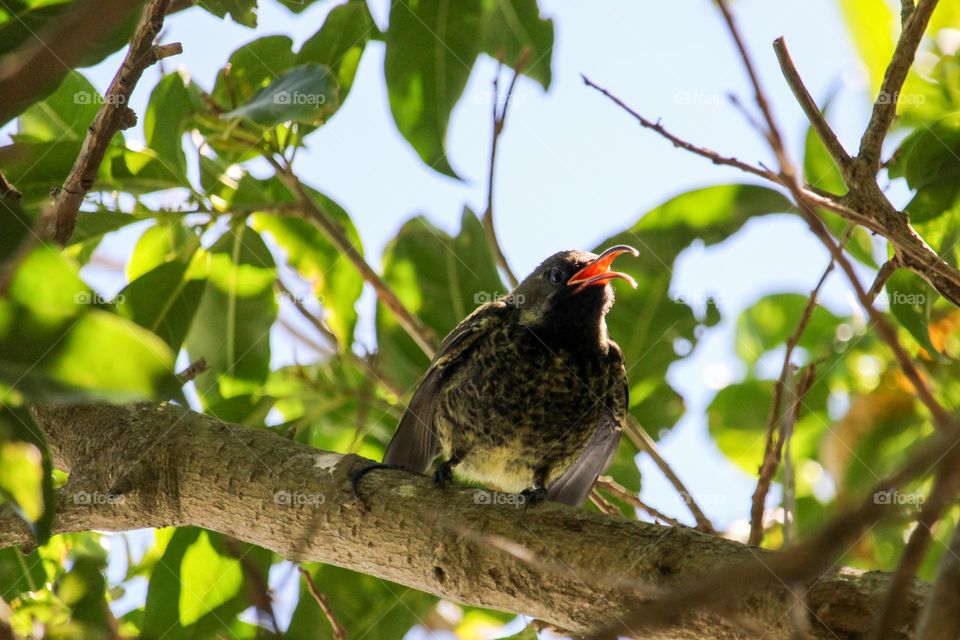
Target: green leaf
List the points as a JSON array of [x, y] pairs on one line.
[[53, 337], [307, 93], [350, 595], [911, 301], [243, 12], [196, 588], [334, 279], [66, 113], [512, 26], [231, 329], [439, 278], [927, 158], [872, 25], [208, 580], [163, 242], [20, 22], [164, 124], [164, 300], [431, 48], [737, 419], [340, 42], [251, 68], [773, 319], [26, 471], [20, 572]]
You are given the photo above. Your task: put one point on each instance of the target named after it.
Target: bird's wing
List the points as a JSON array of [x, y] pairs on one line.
[[416, 443], [575, 484]]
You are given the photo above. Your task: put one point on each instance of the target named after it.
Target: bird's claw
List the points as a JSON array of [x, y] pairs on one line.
[[534, 496], [443, 475]]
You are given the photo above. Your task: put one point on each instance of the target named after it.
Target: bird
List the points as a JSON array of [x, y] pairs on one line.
[[528, 394]]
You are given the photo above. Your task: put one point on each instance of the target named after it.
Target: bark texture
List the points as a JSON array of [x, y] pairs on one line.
[[155, 465]]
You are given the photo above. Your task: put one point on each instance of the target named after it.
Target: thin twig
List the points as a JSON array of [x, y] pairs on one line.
[[941, 496], [642, 440], [339, 633], [194, 369], [720, 589], [321, 326], [771, 453], [810, 108], [709, 154], [788, 176], [420, 332], [624, 494], [114, 114], [883, 275], [885, 107], [799, 391], [941, 617], [603, 504], [499, 121]]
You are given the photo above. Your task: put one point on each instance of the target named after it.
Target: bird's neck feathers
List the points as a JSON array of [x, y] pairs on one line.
[[575, 324]]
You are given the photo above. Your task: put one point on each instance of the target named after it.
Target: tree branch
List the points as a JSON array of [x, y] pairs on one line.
[[885, 106], [772, 447], [941, 618], [114, 115], [810, 108], [162, 465], [339, 633], [499, 121], [709, 154], [642, 441], [414, 326]]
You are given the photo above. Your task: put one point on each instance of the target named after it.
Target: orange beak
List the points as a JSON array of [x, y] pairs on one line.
[[598, 271]]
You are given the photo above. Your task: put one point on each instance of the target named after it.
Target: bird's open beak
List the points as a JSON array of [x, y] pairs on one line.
[[598, 271]]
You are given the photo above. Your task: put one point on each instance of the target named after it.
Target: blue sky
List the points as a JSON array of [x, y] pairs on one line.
[[573, 169]]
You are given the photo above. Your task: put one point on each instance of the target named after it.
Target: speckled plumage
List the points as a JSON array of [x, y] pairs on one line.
[[526, 394]]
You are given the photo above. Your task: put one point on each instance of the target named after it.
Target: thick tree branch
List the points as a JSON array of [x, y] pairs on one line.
[[114, 115], [154, 465]]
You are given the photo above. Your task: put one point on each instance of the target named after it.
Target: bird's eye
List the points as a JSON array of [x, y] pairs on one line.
[[555, 276]]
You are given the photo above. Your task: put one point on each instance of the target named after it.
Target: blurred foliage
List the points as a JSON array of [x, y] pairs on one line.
[[212, 233]]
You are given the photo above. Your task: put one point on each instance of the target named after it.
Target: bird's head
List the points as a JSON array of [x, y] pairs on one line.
[[570, 289]]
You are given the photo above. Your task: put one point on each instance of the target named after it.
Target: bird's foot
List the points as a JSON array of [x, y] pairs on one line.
[[534, 496], [443, 475], [357, 475]]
